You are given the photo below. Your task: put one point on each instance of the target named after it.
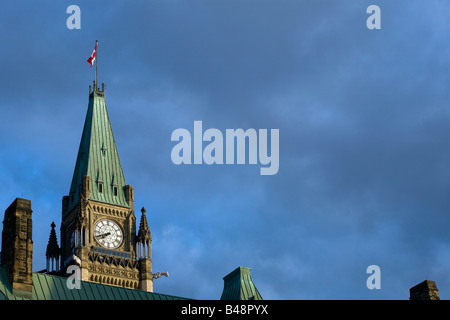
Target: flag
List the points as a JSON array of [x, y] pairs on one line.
[[92, 57]]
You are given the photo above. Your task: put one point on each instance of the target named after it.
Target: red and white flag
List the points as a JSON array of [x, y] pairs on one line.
[[92, 57]]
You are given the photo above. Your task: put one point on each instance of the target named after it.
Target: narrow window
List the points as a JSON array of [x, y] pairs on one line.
[[115, 191], [100, 187], [103, 151]]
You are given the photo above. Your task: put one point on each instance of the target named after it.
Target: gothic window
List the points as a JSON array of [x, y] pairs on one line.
[[103, 151]]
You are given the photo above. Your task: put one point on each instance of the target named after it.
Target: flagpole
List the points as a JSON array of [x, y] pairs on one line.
[[96, 64]]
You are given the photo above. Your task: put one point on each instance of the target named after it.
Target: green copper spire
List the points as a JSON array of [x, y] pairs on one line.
[[238, 285], [98, 157]]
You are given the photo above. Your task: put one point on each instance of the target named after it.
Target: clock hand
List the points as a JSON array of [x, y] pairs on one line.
[[101, 236]]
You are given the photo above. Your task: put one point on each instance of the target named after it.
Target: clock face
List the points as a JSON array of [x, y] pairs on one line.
[[108, 234]]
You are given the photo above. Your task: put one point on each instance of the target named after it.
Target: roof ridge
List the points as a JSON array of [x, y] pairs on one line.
[[46, 286]]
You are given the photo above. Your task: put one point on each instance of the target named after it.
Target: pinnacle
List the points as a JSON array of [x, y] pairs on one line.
[[52, 247]]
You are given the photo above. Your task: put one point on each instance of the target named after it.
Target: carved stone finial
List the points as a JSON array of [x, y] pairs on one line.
[[53, 250], [144, 231]]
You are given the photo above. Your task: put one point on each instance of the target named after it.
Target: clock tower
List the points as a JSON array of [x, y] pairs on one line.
[[98, 228]]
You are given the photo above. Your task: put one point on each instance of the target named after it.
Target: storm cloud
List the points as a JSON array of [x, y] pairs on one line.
[[364, 126]]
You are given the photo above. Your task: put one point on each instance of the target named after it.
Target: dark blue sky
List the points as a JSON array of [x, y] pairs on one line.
[[364, 126]]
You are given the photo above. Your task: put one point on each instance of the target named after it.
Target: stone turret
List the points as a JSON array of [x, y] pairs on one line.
[[53, 252], [425, 290], [17, 247], [143, 244]]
